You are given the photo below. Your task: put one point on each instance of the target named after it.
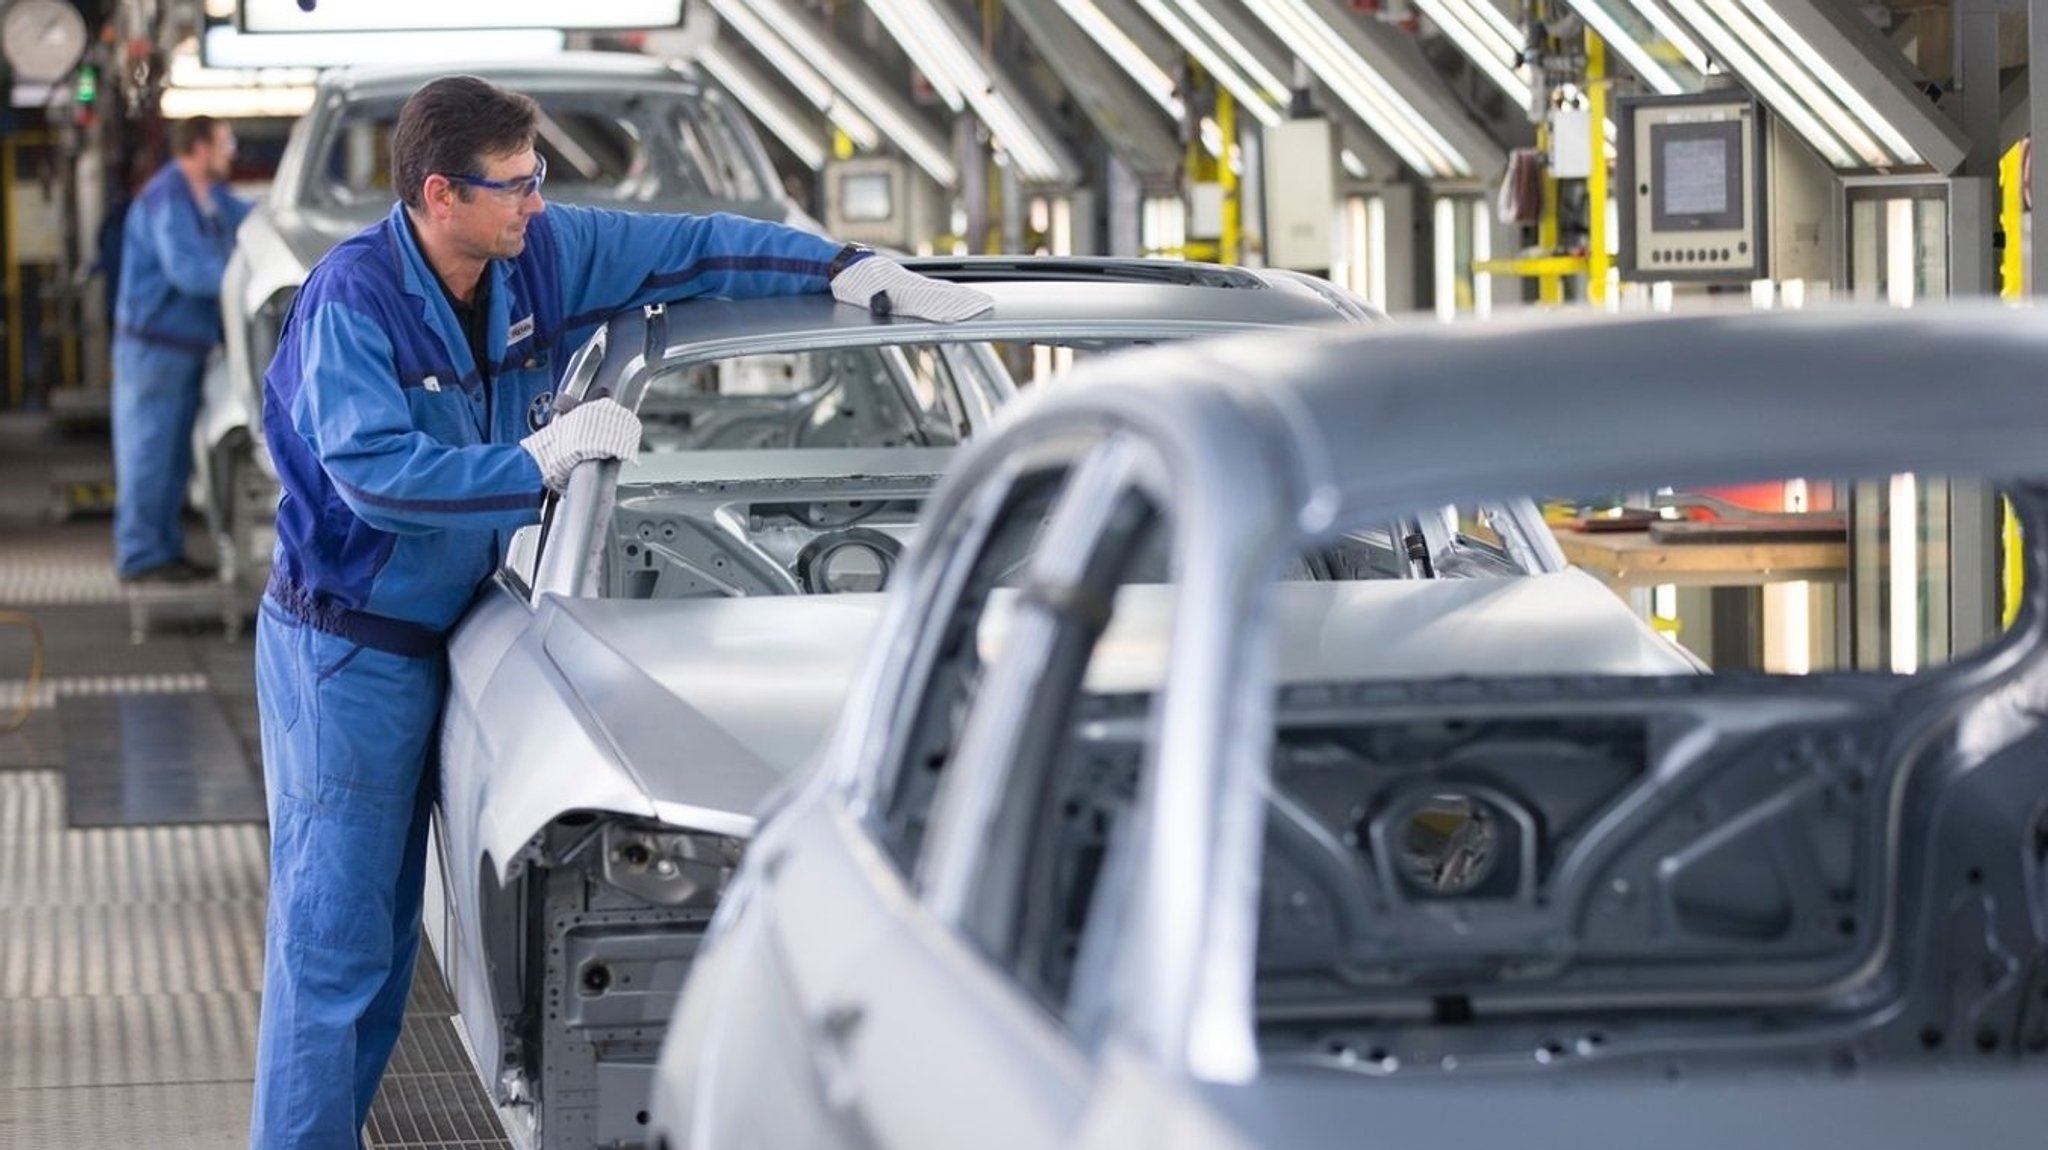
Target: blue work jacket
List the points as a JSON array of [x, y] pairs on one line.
[[172, 257], [401, 467]]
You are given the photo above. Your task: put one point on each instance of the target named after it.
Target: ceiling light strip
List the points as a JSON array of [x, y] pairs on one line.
[[1241, 53], [934, 50], [804, 78], [1119, 47], [1674, 33], [1244, 85], [916, 140], [1364, 89], [1786, 66], [1731, 50], [1833, 82], [1480, 46], [801, 139], [933, 42], [1625, 44]]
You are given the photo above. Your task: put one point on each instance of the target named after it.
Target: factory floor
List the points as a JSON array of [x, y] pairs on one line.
[[133, 847]]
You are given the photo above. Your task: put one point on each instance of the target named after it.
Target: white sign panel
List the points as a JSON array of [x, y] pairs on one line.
[[448, 15]]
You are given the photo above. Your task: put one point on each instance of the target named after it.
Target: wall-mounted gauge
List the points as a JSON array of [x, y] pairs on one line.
[[43, 39]]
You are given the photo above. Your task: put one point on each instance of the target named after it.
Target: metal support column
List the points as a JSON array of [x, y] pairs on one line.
[[1973, 203], [2037, 107], [1975, 533]]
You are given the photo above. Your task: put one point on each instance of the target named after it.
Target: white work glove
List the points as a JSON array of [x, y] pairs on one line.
[[600, 429], [886, 287]]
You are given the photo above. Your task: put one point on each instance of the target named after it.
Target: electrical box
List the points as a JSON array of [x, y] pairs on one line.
[[1712, 188], [1301, 195], [881, 201], [1571, 143]]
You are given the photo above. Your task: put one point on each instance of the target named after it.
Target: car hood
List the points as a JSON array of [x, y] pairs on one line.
[[711, 703]]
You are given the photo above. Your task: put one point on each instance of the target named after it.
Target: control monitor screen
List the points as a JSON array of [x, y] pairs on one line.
[[865, 197], [1696, 176]]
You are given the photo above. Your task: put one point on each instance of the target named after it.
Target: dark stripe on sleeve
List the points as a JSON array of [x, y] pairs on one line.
[[785, 264]]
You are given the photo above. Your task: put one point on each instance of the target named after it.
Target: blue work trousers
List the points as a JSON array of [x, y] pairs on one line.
[[156, 398], [347, 738]]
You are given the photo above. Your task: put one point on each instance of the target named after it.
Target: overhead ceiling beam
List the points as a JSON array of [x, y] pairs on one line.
[[1379, 73], [1132, 101], [939, 43], [845, 89]]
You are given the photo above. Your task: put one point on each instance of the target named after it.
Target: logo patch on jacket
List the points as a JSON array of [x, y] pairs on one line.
[[519, 331], [540, 411]]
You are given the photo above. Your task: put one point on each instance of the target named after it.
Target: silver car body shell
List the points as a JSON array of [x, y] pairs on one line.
[[542, 674], [1325, 429], [707, 330]]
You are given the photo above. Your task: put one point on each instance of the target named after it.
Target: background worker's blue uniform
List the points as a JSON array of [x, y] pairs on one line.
[[402, 481], [166, 321]]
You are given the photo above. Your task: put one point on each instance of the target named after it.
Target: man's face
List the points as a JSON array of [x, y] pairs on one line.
[[490, 222], [217, 153]]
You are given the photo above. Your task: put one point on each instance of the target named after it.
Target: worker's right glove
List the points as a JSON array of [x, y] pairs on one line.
[[886, 287], [600, 429]]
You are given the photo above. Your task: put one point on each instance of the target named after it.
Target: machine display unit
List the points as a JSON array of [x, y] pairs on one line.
[[1693, 172]]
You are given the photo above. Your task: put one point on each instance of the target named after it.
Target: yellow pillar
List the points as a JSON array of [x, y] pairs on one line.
[[2012, 205], [1597, 260], [1549, 286], [2011, 286], [1226, 175]]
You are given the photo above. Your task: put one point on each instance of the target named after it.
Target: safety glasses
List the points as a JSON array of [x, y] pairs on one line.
[[515, 190]]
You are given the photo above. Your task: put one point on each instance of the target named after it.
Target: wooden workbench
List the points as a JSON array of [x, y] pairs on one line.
[[1633, 559]]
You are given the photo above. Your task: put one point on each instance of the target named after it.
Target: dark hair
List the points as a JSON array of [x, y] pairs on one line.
[[189, 134], [450, 125]]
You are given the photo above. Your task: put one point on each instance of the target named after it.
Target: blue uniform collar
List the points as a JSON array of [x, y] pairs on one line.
[[419, 281]]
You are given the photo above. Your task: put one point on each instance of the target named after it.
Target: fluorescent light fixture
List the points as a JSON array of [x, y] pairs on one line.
[[1675, 34], [1256, 88], [792, 32], [1486, 38], [221, 46], [1363, 89], [268, 16], [1629, 47], [938, 46], [1903, 569], [1833, 82], [235, 103], [1117, 44], [932, 46], [1795, 79], [793, 67], [188, 69], [764, 105]]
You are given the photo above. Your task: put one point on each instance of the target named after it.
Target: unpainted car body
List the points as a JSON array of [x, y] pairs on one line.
[[617, 130], [1146, 872], [675, 638]]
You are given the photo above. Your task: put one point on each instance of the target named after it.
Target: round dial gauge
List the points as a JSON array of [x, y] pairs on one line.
[[43, 39]]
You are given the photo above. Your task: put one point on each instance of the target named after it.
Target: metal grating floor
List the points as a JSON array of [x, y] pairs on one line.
[[131, 957]]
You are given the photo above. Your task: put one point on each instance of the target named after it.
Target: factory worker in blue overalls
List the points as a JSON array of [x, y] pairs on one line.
[[396, 410], [174, 248]]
